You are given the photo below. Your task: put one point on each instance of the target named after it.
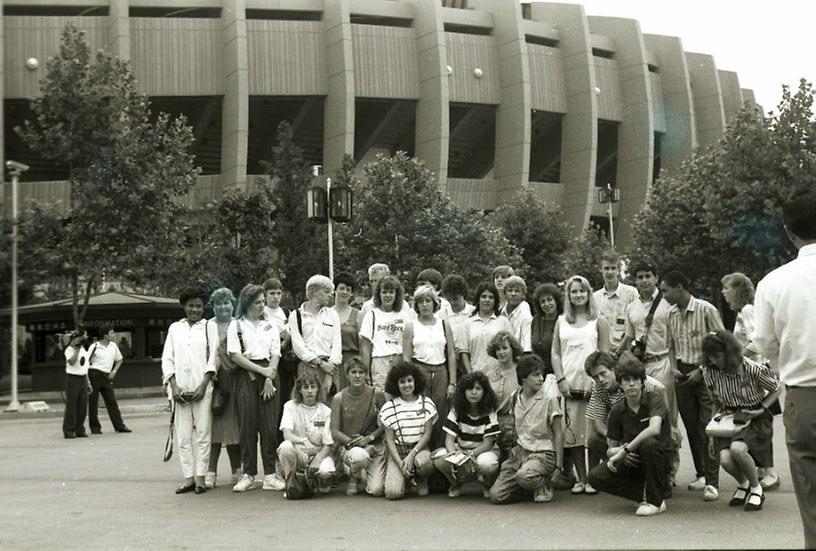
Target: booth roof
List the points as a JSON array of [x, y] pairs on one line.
[[112, 298]]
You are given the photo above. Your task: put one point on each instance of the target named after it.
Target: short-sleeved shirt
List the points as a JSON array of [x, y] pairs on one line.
[[745, 388], [103, 357], [534, 418], [625, 424], [520, 319], [657, 343], [80, 364], [504, 382], [458, 325], [601, 401], [313, 422], [689, 327], [407, 419], [480, 331], [612, 307], [469, 431], [384, 330], [261, 340]]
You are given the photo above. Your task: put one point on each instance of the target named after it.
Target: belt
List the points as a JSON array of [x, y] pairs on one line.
[[649, 358]]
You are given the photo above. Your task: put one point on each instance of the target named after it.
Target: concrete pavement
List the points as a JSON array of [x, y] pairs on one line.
[[112, 491]]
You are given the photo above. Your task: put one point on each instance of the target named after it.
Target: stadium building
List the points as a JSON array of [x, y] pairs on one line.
[[493, 95]]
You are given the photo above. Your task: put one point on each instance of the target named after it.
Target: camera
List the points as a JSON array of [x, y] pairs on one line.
[[638, 349]]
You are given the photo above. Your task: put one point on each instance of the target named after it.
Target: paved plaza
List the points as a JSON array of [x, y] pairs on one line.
[[112, 491]]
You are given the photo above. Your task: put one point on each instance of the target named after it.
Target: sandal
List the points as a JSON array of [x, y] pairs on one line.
[[752, 505], [739, 498]]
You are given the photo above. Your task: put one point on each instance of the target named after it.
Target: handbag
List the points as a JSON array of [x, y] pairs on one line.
[[300, 484], [220, 397], [168, 444], [727, 425]]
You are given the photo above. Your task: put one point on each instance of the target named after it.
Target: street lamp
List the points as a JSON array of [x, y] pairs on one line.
[[609, 195], [15, 169], [328, 205]]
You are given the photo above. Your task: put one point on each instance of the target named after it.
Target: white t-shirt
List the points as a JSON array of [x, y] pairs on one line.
[[313, 422], [384, 331], [80, 365], [103, 357]]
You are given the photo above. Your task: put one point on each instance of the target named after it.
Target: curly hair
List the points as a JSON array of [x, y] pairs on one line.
[[743, 286], [487, 286], [499, 339], [391, 283], [400, 370], [548, 289], [221, 295], [191, 293], [304, 379], [725, 342], [486, 405]]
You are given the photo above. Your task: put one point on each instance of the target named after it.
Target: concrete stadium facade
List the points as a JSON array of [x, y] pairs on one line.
[[493, 95]]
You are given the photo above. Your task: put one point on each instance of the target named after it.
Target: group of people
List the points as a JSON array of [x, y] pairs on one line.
[[518, 391]]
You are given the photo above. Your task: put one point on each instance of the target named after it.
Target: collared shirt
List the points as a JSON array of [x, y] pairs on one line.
[[278, 315], [504, 382], [189, 352], [534, 419], [102, 357], [312, 422], [520, 319], [785, 332], [261, 339], [479, 332], [625, 424], [657, 343], [612, 307], [321, 335], [744, 330], [458, 325], [80, 365], [747, 387], [602, 401], [689, 327]]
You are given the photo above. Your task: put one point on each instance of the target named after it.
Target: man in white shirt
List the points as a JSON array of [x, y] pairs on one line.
[[785, 312], [105, 360], [76, 385], [614, 298]]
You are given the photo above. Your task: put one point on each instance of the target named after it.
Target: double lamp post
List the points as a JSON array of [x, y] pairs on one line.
[[328, 203]]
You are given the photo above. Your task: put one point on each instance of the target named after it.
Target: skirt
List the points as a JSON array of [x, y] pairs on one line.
[[575, 423], [225, 426], [758, 436]]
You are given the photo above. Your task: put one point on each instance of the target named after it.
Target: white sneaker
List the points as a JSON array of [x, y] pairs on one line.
[[422, 488], [697, 484], [545, 494], [272, 482], [209, 480], [455, 491], [236, 476], [649, 510], [589, 490], [247, 482], [710, 493]]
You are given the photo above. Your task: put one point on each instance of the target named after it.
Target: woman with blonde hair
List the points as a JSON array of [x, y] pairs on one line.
[[578, 333]]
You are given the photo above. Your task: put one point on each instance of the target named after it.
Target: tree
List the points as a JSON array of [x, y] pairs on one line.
[[584, 256], [532, 225], [126, 173], [401, 218], [721, 211]]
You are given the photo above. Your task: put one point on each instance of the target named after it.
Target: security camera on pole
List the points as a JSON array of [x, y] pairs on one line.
[[15, 169], [328, 205]]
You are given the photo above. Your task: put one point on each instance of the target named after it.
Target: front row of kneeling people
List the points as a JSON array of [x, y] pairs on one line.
[[510, 438]]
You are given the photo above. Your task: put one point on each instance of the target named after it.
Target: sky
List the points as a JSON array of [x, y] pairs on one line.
[[765, 43]]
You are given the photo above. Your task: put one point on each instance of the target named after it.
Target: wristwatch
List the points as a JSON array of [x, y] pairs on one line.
[[626, 449]]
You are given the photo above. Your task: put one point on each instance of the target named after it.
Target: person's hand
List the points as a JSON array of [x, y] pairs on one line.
[[355, 441], [314, 465], [177, 393], [563, 387], [632, 459], [111, 375], [269, 372], [451, 390], [693, 378], [712, 447], [753, 413], [617, 459], [407, 465], [328, 367], [268, 390], [199, 393]]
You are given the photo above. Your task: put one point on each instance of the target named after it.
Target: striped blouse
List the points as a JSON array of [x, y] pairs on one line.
[[471, 431], [407, 419], [747, 387]]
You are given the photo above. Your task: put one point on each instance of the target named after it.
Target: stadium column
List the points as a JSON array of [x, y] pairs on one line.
[[338, 125], [636, 132], [235, 109], [513, 122], [433, 107], [119, 29], [680, 138], [579, 130], [2, 105], [731, 94], [709, 115]]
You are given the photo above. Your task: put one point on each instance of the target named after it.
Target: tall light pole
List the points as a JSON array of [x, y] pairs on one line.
[[15, 169], [609, 195], [328, 205]]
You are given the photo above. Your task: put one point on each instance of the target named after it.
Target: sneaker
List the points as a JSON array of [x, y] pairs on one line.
[[589, 490], [422, 488], [351, 488], [454, 491], [649, 510], [272, 482], [236, 476], [578, 488], [247, 482], [710, 493], [209, 480], [544, 494], [324, 485], [697, 484], [770, 481]]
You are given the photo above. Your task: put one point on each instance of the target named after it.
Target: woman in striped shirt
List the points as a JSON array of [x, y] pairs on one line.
[[472, 428], [408, 420], [741, 385]]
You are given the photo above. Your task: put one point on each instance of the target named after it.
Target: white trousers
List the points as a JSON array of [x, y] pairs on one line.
[[193, 428], [292, 458]]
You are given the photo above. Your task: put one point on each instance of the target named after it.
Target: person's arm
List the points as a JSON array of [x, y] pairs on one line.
[[117, 362], [525, 331], [768, 382], [303, 352], [426, 438], [485, 446], [391, 444], [341, 439], [599, 427], [555, 356], [558, 441], [336, 355], [450, 353], [291, 436], [764, 336], [603, 335], [408, 341], [629, 331], [714, 319], [450, 443]]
